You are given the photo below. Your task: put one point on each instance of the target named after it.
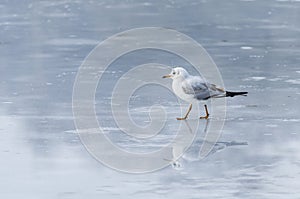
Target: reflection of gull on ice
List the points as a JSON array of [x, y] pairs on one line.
[[193, 153]]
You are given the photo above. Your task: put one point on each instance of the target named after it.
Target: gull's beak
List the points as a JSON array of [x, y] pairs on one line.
[[167, 76]]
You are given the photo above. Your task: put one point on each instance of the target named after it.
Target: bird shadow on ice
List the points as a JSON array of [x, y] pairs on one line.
[[182, 156]]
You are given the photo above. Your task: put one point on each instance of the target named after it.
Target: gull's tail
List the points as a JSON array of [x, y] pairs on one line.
[[232, 94]]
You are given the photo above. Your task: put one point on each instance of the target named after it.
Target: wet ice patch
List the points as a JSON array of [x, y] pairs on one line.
[[272, 125], [268, 134], [93, 130], [293, 81], [7, 102], [255, 78], [290, 120], [71, 41], [275, 79], [256, 56], [57, 15], [246, 48]]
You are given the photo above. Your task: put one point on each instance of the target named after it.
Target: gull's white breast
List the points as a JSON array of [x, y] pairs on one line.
[[178, 90]]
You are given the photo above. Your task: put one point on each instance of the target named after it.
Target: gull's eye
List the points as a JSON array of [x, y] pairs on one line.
[[174, 73]]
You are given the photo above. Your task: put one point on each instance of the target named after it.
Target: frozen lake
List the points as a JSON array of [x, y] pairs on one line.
[[256, 46]]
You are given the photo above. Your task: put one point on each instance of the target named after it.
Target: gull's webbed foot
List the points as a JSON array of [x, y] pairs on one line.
[[186, 115], [207, 114], [181, 118], [204, 117]]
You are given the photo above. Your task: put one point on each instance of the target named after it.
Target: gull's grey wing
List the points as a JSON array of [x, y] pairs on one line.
[[197, 87], [200, 89]]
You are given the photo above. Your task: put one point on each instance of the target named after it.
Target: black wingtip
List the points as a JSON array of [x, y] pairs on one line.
[[232, 94]]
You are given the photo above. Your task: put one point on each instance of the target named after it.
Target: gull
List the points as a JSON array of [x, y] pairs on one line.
[[194, 88]]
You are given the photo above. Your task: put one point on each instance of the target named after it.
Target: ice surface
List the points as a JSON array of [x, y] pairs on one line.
[[256, 47]]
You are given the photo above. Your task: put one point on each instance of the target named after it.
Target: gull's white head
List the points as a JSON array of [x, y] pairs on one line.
[[176, 73]]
